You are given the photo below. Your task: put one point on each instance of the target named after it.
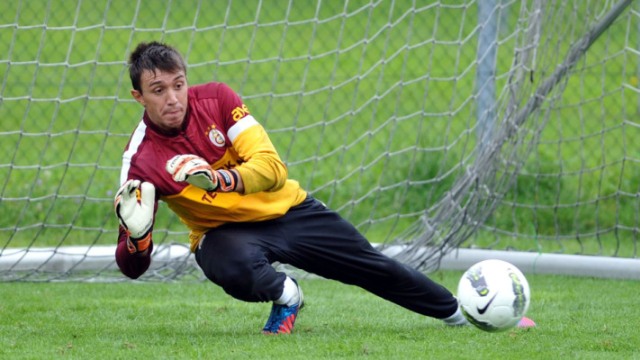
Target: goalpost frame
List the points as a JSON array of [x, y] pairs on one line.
[[101, 258]]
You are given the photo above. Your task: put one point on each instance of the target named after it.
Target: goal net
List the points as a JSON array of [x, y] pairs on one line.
[[433, 126]]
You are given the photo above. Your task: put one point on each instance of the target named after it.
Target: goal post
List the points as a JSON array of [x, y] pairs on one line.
[[439, 128]]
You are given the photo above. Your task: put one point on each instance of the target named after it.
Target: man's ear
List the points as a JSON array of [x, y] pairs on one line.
[[138, 96]]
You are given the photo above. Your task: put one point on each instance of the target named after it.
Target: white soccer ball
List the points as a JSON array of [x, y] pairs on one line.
[[493, 295]]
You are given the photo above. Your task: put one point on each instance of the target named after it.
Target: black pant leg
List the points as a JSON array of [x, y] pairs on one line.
[[320, 241], [234, 257]]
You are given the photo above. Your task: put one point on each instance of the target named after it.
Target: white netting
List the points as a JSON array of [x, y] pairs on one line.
[[415, 120]]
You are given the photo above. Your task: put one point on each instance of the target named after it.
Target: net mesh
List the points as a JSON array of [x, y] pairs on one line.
[[430, 125]]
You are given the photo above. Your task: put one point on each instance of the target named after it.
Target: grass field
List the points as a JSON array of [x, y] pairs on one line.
[[578, 318]]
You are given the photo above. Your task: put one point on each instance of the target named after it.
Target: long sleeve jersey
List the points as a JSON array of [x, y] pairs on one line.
[[219, 128]]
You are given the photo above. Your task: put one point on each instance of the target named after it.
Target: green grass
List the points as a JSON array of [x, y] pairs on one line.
[[578, 318]]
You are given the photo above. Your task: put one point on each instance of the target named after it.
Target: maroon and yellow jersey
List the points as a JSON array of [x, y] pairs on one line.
[[219, 128]]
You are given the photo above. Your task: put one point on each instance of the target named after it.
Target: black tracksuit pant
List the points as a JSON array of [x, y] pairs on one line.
[[238, 257]]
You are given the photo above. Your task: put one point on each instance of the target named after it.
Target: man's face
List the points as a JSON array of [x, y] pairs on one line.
[[164, 97]]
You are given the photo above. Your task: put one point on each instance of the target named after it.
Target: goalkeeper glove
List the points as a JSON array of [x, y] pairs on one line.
[[197, 172], [136, 216]]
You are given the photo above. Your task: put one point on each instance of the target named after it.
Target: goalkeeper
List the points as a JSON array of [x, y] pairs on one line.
[[201, 151]]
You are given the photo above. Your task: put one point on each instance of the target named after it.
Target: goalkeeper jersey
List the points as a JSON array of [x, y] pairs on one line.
[[219, 128]]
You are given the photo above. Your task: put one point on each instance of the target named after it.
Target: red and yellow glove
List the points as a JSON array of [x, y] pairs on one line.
[[134, 205], [197, 172]]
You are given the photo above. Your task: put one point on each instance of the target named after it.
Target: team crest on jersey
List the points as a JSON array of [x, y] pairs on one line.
[[216, 137]]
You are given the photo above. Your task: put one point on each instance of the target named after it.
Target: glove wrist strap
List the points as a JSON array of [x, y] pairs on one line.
[[227, 180], [140, 244]]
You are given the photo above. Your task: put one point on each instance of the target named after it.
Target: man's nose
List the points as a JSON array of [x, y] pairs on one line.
[[172, 97]]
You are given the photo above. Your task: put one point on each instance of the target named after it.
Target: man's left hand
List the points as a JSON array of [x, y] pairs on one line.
[[194, 170]]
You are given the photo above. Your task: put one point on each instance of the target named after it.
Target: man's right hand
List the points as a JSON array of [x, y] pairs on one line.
[[134, 205]]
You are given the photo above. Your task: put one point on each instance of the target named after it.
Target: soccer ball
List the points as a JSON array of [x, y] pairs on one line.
[[493, 295]]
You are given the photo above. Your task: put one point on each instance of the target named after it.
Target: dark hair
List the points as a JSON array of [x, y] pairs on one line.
[[153, 56]]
